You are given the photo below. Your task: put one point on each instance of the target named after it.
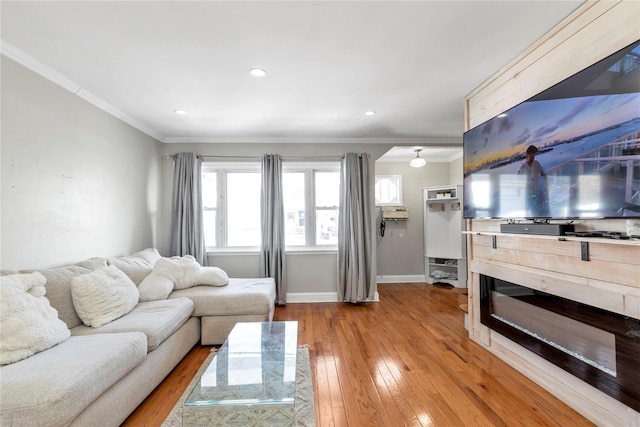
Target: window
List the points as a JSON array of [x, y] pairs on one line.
[[243, 209], [293, 187], [210, 206], [327, 195], [388, 190], [311, 199], [231, 204]]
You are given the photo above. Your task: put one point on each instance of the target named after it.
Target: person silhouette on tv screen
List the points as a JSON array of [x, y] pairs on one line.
[[537, 200]]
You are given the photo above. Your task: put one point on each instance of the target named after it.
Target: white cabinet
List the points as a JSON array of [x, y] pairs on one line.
[[444, 244]]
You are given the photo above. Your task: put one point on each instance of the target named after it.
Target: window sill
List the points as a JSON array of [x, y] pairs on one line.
[[289, 251], [318, 250], [233, 251]]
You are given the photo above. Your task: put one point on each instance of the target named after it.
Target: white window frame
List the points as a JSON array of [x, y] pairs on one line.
[[308, 168], [397, 179], [222, 169]]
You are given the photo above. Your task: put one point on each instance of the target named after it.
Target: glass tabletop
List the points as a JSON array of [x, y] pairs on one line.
[[256, 365]]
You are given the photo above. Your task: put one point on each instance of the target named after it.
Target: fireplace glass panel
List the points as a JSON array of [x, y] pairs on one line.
[[586, 343], [597, 346]]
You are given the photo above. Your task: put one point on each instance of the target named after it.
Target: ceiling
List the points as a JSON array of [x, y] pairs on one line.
[[327, 63]]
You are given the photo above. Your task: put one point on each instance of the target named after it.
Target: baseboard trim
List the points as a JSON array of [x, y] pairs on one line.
[[296, 297], [413, 278], [304, 297]]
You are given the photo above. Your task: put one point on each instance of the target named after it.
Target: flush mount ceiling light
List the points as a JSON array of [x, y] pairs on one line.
[[179, 111], [418, 162], [370, 113], [257, 72]]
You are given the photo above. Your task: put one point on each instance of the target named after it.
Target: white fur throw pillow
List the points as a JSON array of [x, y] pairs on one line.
[[103, 295], [28, 322], [178, 273], [212, 276]]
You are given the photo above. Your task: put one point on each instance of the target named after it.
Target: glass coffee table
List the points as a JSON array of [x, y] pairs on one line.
[[252, 377]]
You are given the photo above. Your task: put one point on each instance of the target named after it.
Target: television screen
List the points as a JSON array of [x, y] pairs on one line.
[[572, 151]]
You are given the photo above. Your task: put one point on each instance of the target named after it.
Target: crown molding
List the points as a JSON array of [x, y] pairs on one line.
[[12, 52], [27, 61], [426, 142]]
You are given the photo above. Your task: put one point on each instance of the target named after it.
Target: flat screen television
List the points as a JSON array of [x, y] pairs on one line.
[[585, 132]]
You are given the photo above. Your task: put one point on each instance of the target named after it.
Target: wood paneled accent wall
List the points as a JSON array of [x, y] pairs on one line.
[[611, 278]]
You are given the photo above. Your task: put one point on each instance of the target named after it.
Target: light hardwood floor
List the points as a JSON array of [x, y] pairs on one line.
[[405, 361]]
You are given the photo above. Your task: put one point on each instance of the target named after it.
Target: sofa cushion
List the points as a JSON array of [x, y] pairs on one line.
[[151, 255], [179, 273], [8, 272], [156, 319], [53, 387], [136, 266], [240, 296], [59, 291], [103, 295], [95, 263], [211, 276], [155, 287], [29, 323]]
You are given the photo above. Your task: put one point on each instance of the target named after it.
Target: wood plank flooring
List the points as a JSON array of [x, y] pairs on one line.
[[405, 361]]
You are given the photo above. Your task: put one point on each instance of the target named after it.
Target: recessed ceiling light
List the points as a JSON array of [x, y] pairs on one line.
[[257, 72], [179, 111], [502, 115], [370, 113]]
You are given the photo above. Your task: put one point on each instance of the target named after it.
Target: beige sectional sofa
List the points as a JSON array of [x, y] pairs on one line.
[[98, 376]]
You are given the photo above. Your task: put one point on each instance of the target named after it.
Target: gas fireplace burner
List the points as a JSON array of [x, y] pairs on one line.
[[599, 347]]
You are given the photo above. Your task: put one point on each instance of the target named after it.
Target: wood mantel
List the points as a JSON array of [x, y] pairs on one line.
[[610, 280]]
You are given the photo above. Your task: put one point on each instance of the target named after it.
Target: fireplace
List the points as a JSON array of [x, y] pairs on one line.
[[599, 347]]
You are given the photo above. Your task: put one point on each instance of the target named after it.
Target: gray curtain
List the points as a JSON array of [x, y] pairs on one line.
[[272, 249], [356, 260], [187, 231]]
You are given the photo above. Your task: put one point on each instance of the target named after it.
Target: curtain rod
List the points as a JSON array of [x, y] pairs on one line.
[[299, 158]]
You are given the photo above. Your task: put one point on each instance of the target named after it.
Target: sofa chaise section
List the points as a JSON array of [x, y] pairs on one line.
[[114, 406], [220, 308], [53, 387]]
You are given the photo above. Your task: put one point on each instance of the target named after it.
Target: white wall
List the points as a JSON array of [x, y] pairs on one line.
[[311, 276], [456, 172], [401, 250], [76, 182]]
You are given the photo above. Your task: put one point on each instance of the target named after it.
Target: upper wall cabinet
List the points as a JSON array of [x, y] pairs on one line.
[[444, 222]]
